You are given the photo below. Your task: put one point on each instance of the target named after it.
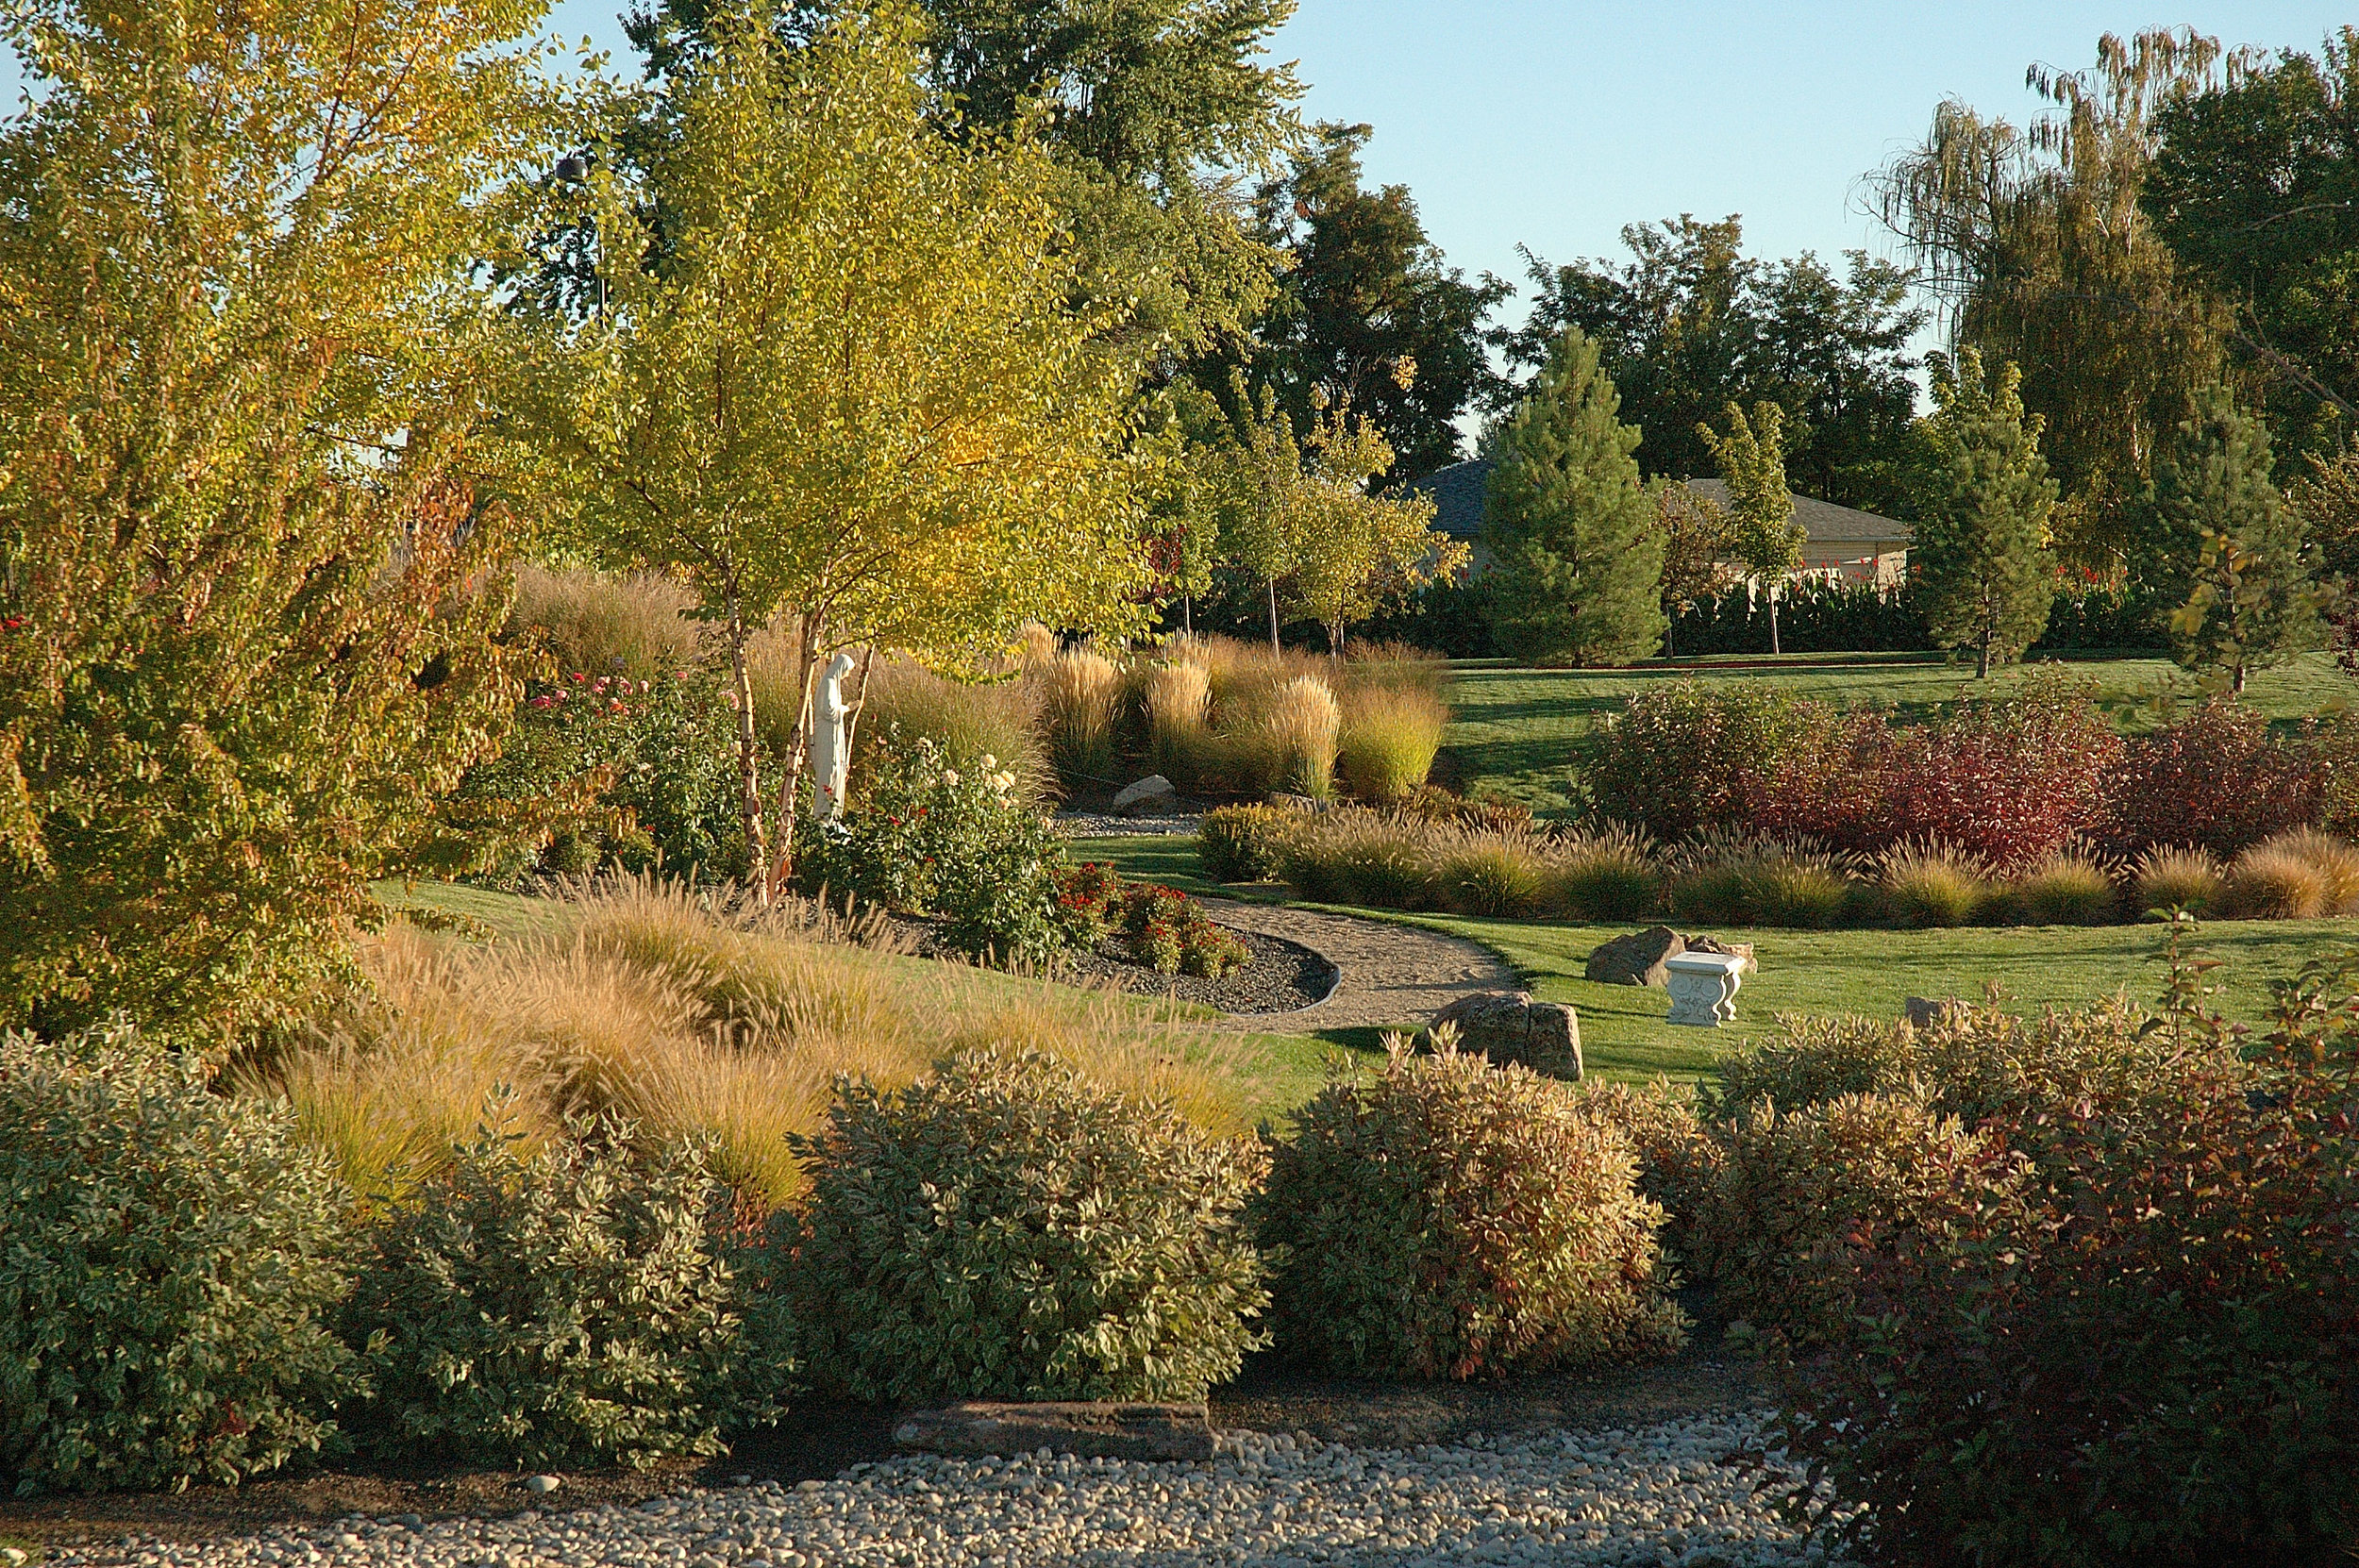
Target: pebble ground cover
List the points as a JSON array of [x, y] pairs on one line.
[[1692, 1492]]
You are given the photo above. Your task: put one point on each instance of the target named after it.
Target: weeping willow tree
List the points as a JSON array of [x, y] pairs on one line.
[[2032, 242]]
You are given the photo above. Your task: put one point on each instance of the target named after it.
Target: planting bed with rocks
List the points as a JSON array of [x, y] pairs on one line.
[[1280, 976], [1693, 1491]]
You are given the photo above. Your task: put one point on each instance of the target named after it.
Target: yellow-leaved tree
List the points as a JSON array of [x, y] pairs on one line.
[[843, 376], [247, 507]]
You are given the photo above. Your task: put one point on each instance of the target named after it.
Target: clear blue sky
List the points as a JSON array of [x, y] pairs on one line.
[[1555, 124]]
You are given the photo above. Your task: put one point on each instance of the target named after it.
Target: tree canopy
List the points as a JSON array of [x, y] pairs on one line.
[[852, 381], [1690, 325], [253, 512]]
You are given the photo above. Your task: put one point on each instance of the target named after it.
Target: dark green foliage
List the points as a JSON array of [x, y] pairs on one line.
[[923, 837], [1004, 1230], [167, 1257], [1369, 312], [1577, 554], [2254, 186], [559, 1307], [1690, 325], [1447, 1218], [2234, 556], [658, 751], [1243, 843], [1981, 548]]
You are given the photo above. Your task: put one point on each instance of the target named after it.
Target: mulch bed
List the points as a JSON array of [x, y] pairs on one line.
[[1280, 976]]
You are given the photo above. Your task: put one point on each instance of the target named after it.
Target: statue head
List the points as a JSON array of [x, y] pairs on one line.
[[840, 666]]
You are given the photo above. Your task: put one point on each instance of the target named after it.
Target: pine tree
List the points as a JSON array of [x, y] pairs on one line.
[[1577, 548], [1981, 539], [2234, 554]]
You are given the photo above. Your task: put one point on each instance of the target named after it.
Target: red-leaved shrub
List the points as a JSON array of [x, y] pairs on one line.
[[1685, 755], [2217, 779], [2010, 778], [2147, 1351]]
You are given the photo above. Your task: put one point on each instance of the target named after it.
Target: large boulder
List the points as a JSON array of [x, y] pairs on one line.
[[1152, 796], [1714, 944], [1635, 960], [1507, 1026]]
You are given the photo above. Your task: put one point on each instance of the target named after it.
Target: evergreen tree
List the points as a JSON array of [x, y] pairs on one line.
[[1981, 536], [2236, 556], [1577, 547]]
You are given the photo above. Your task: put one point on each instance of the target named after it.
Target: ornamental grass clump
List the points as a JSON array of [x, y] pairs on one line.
[[1302, 727], [1006, 1230], [2298, 875], [2068, 888], [1080, 698], [1739, 878], [559, 1304], [169, 1259], [1357, 857], [2167, 878], [1504, 875], [1177, 698], [1449, 1218], [1931, 884], [1605, 874], [1245, 844], [1389, 737]]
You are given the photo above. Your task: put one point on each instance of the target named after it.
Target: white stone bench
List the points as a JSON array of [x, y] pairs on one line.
[[1703, 988]]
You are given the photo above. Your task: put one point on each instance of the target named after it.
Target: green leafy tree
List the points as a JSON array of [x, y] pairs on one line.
[[2036, 241], [1577, 553], [1982, 535], [1690, 324], [2255, 187], [2236, 556], [1367, 311], [1762, 535], [1696, 533], [250, 515], [851, 382]]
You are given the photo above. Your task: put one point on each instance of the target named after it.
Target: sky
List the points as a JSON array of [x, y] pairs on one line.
[[1555, 124]]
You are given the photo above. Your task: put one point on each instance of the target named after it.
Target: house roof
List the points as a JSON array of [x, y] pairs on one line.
[[1458, 490]]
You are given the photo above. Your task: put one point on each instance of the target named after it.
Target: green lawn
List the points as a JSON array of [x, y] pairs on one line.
[[1513, 728], [1622, 1027]]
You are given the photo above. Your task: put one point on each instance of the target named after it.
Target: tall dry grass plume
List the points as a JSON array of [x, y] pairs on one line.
[[1178, 704], [969, 720], [1302, 727], [692, 1017], [1080, 704], [1388, 741], [2303, 874], [601, 623]]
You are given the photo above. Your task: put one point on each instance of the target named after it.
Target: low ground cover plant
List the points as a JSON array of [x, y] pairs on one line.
[[1161, 927], [1449, 1218], [1004, 1228], [170, 1261]]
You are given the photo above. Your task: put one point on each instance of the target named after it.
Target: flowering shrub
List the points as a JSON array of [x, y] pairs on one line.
[[927, 838], [1449, 1218], [1686, 756], [2216, 779], [1161, 927], [1169, 932], [660, 756]]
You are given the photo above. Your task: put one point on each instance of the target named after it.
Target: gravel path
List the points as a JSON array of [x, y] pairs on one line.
[[1686, 1492], [1394, 976]]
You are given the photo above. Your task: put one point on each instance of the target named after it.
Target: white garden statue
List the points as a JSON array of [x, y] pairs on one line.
[[830, 756]]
